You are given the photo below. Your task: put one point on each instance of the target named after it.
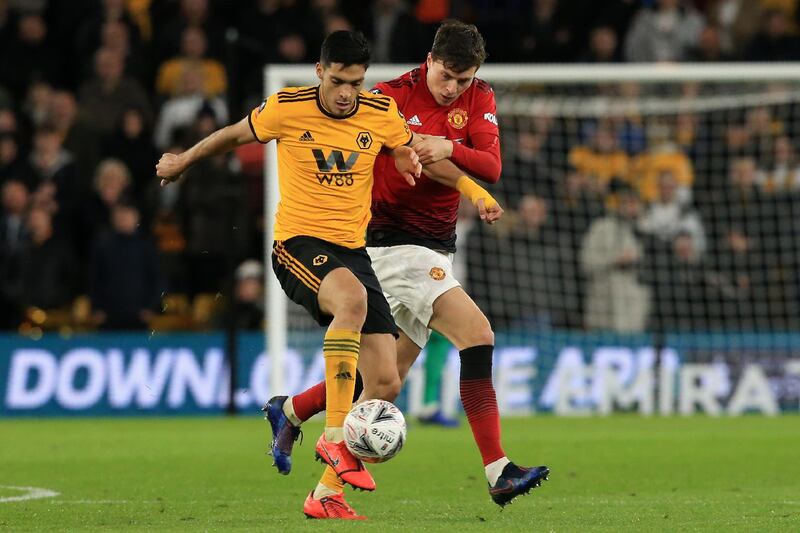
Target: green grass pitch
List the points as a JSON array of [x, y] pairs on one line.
[[622, 473]]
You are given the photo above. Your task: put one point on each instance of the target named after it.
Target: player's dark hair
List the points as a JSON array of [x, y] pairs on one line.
[[345, 47], [459, 46]]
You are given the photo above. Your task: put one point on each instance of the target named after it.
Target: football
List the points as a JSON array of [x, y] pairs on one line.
[[375, 431]]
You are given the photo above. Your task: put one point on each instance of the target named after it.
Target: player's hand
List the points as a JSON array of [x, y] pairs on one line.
[[432, 149], [491, 214], [169, 168], [407, 163]]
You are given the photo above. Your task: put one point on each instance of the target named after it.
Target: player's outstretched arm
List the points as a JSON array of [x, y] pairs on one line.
[[171, 166], [447, 173]]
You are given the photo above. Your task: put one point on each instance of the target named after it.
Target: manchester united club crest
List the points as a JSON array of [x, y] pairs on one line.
[[437, 273], [457, 118]]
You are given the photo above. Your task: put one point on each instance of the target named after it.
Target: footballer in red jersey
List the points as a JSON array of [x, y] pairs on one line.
[[411, 239], [457, 122]]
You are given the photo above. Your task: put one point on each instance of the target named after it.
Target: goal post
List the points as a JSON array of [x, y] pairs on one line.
[[616, 308]]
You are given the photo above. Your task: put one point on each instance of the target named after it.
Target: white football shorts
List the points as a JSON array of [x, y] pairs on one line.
[[412, 277]]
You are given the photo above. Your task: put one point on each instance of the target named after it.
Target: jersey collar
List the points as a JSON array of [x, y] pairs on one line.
[[331, 115]]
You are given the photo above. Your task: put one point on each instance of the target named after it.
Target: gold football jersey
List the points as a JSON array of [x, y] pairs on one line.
[[325, 162]]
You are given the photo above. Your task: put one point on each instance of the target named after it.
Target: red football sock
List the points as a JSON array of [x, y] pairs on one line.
[[480, 402], [312, 401], [309, 402]]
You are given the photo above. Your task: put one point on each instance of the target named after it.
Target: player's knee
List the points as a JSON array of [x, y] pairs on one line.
[[480, 333], [390, 390], [352, 306], [387, 387], [483, 335]]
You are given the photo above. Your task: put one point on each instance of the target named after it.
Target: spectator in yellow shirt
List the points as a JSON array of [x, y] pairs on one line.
[[662, 157], [601, 160], [193, 51]]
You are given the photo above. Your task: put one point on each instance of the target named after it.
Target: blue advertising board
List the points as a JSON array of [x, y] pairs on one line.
[[564, 373]]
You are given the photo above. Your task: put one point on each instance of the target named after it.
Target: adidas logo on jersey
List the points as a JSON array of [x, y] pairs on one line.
[[307, 137], [414, 121]]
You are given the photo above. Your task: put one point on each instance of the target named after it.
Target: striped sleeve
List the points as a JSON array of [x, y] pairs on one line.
[[396, 131], [264, 120]]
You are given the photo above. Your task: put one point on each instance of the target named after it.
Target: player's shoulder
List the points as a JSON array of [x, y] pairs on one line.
[[479, 99], [404, 82], [376, 101], [296, 94], [482, 87]]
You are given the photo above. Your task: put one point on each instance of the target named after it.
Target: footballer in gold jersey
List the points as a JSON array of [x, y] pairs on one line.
[[328, 137], [325, 160]]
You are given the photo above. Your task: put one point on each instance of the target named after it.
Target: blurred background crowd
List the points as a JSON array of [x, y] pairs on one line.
[[611, 223]]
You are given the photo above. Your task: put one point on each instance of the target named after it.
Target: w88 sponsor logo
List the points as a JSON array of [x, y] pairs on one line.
[[339, 180], [326, 163]]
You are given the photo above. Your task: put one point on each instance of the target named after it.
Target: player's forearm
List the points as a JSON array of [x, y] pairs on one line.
[[446, 173], [221, 141], [483, 161]]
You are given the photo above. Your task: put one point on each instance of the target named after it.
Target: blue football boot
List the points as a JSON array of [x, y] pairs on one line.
[[516, 480], [439, 419], [284, 434]]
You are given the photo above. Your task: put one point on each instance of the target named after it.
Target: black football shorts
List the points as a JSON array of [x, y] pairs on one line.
[[301, 263]]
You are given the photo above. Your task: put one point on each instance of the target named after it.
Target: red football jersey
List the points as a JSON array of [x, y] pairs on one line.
[[426, 214]]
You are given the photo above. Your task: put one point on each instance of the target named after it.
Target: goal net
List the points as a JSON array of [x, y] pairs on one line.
[[649, 258]]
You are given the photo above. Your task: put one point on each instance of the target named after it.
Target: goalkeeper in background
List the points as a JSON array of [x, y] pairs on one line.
[[436, 352], [411, 239]]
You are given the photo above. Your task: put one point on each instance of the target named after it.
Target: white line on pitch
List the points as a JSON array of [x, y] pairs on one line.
[[30, 493]]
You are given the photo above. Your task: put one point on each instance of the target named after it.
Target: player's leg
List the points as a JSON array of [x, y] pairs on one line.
[[413, 277], [327, 498], [378, 367], [384, 385], [407, 354], [377, 375], [313, 275], [342, 296], [378, 357], [409, 275], [285, 414], [457, 317], [302, 406]]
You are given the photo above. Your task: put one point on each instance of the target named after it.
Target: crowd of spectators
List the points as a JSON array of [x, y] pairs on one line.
[[92, 91], [694, 226]]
